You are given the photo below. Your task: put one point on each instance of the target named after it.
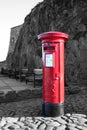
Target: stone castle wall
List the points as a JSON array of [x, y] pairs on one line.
[[13, 39]]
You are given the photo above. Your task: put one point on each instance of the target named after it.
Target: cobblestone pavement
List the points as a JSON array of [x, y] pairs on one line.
[[66, 122]]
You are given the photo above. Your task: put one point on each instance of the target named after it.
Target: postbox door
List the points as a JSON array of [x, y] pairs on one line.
[[51, 72]]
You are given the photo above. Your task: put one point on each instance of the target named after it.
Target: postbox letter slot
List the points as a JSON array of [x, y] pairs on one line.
[[49, 48]]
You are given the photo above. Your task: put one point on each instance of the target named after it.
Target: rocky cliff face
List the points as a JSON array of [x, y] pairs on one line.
[[69, 16]]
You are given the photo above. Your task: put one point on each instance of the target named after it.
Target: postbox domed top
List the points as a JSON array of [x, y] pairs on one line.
[[52, 36]]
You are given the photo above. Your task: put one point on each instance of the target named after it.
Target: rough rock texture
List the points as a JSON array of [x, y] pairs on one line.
[[68, 16]]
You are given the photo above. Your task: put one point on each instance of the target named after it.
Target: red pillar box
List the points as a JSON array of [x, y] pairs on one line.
[[53, 72]]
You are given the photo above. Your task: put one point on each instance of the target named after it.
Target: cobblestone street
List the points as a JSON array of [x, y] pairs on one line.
[[67, 122]]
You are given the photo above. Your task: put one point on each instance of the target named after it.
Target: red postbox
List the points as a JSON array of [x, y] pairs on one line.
[[53, 72]]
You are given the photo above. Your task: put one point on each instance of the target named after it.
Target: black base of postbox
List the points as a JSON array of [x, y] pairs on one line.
[[52, 109]]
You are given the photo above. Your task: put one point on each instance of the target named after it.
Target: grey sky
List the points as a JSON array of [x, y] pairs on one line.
[[12, 13]]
